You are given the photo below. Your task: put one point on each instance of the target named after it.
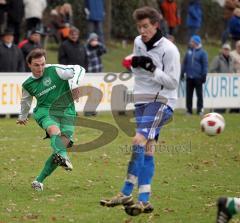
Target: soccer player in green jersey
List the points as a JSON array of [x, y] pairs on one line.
[[51, 85]]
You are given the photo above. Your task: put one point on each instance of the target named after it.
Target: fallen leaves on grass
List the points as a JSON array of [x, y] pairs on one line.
[[168, 210]]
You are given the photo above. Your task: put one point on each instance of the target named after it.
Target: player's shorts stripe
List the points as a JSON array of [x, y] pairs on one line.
[[156, 122], [144, 188]]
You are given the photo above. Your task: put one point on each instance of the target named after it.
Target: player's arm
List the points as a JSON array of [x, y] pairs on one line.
[[74, 74], [169, 75], [26, 102]]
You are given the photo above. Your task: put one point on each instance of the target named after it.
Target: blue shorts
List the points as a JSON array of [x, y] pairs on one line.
[[151, 117]]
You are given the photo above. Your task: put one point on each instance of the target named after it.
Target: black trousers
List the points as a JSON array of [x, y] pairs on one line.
[[32, 23], [15, 26], [191, 85]]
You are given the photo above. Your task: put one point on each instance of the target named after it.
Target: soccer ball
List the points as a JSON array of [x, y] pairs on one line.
[[212, 124]]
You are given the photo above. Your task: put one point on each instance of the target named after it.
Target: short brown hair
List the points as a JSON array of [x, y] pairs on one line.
[[35, 53], [146, 12]]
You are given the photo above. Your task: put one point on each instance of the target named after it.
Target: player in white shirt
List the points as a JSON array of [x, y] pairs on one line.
[[156, 68]]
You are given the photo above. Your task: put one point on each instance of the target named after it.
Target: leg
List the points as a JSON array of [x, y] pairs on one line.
[[227, 208], [57, 146], [146, 173], [90, 27], [143, 205], [135, 164], [56, 140], [225, 34], [17, 32], [99, 31], [144, 184], [190, 88], [199, 92], [47, 170]]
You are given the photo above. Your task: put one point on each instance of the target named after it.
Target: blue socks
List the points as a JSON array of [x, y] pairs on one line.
[[145, 178], [141, 168], [134, 167]]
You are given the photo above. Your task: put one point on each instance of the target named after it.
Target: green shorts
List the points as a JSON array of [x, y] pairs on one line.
[[65, 121]]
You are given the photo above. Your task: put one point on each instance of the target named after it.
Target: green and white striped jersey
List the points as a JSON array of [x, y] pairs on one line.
[[52, 89]]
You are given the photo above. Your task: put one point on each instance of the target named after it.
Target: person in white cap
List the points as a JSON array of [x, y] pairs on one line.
[[223, 63]]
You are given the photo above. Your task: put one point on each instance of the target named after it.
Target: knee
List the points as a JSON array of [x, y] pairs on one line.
[[150, 148], [53, 130], [139, 139]]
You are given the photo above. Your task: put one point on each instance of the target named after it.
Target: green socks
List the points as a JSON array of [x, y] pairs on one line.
[[58, 146], [47, 169]]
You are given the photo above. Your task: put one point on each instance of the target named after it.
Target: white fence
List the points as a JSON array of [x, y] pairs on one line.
[[220, 91]]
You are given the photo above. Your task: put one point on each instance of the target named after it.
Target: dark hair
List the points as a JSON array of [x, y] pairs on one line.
[[146, 12], [35, 53]]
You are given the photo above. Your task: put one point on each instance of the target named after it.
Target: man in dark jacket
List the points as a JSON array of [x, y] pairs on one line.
[[195, 66], [11, 58], [34, 41], [71, 51]]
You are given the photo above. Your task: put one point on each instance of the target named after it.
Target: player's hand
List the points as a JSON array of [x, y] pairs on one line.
[[144, 62], [76, 93], [22, 122]]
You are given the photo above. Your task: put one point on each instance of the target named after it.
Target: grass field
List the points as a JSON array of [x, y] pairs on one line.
[[192, 170]]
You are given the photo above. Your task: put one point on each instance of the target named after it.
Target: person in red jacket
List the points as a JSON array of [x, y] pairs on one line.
[[170, 13]]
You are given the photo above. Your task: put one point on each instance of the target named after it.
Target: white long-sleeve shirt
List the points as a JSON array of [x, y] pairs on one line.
[[165, 79]]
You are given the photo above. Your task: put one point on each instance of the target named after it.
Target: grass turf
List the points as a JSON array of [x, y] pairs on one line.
[[192, 171]]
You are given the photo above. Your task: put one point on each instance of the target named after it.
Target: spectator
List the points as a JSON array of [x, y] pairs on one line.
[[33, 14], [71, 51], [169, 10], [95, 12], [195, 66], [95, 49], [15, 12], [34, 41], [234, 26], [229, 7], [11, 58], [163, 25], [194, 17], [67, 14], [223, 63], [60, 22], [3, 10], [235, 54]]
